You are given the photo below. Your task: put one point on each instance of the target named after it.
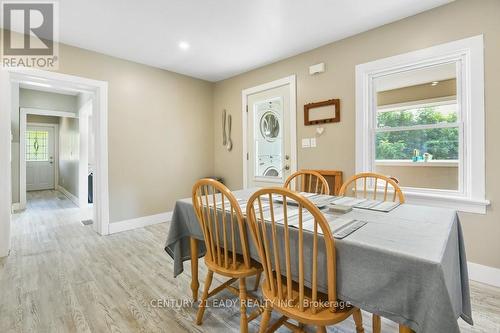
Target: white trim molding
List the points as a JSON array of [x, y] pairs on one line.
[[139, 222], [6, 105], [291, 82], [52, 113], [73, 198], [484, 274], [468, 55]]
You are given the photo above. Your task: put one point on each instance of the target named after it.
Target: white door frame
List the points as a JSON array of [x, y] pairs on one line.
[[290, 81], [22, 153], [99, 90], [83, 167], [23, 124]]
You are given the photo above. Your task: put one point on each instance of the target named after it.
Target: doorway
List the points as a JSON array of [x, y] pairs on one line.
[[11, 80], [269, 133]]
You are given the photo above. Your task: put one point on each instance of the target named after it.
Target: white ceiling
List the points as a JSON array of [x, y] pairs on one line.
[[226, 37]]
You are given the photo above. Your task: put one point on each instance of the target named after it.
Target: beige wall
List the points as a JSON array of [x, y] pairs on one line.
[[460, 19], [29, 98], [444, 178], [35, 118], [159, 143], [69, 150], [40, 100]]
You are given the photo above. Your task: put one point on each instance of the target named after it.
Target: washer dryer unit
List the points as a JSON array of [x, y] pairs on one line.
[[269, 139], [270, 165]]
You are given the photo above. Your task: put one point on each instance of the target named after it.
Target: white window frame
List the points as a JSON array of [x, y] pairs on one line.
[[468, 54], [417, 105]]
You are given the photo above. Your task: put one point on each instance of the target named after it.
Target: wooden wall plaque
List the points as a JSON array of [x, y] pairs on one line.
[[327, 112]]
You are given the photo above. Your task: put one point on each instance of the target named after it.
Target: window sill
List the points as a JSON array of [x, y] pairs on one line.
[[409, 163], [455, 202]]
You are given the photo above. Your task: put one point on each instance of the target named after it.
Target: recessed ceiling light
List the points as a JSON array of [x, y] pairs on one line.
[[434, 83], [183, 45]]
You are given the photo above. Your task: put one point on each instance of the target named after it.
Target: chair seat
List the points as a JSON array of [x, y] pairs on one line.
[[323, 316], [237, 270]]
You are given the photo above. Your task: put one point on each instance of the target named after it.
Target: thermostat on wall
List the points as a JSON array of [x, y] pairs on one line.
[[316, 69]]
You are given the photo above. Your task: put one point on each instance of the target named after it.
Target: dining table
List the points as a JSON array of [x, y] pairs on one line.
[[408, 264]]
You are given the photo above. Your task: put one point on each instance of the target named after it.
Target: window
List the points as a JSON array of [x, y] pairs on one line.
[[36, 146], [420, 118], [421, 132]]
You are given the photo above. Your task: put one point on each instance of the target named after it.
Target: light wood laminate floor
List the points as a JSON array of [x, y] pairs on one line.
[[62, 277]]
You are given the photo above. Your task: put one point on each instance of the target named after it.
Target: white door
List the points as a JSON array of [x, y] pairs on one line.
[[270, 137], [40, 168]]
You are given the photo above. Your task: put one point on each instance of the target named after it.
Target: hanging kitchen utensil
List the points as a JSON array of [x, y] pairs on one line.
[[229, 141], [224, 137]]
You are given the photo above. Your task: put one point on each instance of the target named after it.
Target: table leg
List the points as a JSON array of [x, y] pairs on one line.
[[194, 268], [405, 329]]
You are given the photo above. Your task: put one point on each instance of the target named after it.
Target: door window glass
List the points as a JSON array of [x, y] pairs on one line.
[[37, 146], [268, 116]]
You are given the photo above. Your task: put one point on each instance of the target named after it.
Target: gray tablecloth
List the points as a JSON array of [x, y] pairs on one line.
[[408, 265]]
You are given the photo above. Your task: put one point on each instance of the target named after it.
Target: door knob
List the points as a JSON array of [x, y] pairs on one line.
[[287, 167], [287, 157]]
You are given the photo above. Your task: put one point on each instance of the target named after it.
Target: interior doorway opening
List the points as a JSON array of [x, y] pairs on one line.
[[55, 147], [91, 114]]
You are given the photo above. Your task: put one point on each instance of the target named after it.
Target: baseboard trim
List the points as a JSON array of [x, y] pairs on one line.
[[139, 222], [484, 274], [68, 195]]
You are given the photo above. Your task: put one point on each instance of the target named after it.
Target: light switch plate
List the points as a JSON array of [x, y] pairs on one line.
[[313, 142], [306, 143]]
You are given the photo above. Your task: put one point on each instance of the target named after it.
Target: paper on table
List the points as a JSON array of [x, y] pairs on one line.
[[339, 223], [348, 201], [335, 224], [279, 215], [242, 203], [319, 200], [368, 204], [386, 206]]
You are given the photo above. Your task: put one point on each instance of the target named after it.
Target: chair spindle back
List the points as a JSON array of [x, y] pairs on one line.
[[222, 223], [361, 184], [265, 217]]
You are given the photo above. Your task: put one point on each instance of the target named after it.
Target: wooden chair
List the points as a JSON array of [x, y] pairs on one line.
[[380, 185], [294, 299], [377, 181], [307, 181], [224, 231]]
